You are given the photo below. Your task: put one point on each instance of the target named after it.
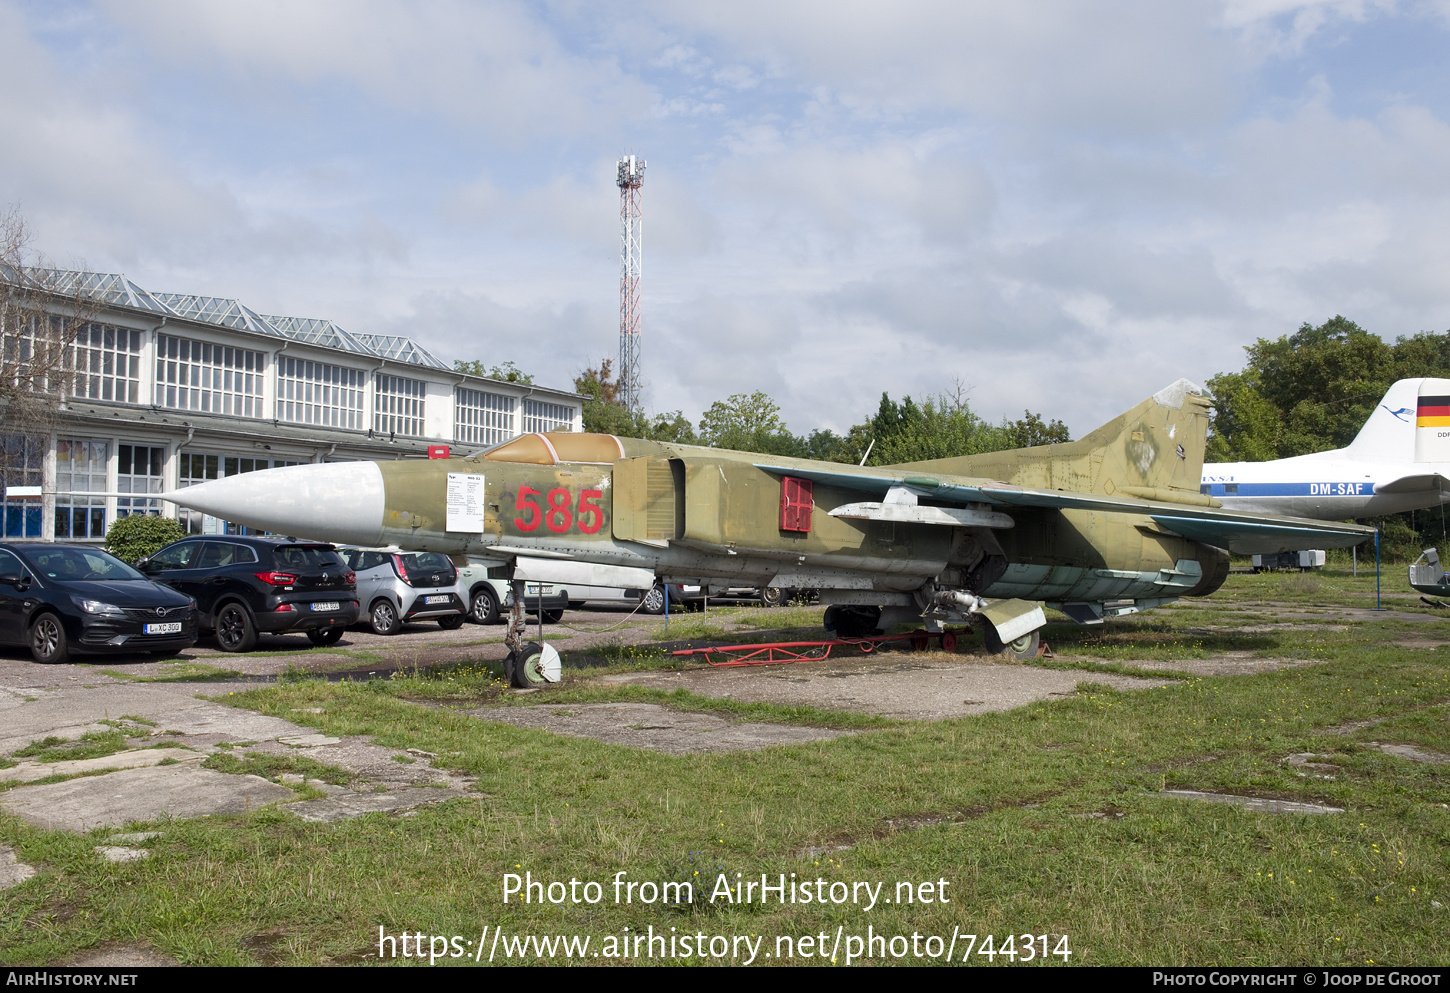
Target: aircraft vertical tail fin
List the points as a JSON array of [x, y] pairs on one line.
[[1411, 423], [1154, 451]]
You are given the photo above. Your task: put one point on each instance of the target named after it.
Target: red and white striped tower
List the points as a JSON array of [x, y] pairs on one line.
[[629, 177]]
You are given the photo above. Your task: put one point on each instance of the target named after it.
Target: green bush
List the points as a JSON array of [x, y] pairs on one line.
[[133, 538]]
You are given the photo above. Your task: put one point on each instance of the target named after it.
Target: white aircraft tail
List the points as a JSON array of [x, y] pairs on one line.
[[1411, 423]]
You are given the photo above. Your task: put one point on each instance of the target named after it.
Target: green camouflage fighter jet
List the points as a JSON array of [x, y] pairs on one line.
[[1111, 524]]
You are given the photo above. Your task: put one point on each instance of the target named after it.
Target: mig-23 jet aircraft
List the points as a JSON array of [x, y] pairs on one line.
[[1110, 524]]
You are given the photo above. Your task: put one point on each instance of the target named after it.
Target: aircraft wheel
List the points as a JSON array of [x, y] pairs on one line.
[[528, 668], [1021, 650], [772, 596], [322, 637]]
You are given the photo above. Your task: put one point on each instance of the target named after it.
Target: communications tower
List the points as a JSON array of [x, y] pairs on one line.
[[629, 177]]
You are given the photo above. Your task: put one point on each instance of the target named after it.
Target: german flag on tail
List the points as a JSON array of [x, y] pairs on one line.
[[1433, 412]]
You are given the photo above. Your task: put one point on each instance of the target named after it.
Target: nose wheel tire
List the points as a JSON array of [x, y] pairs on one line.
[[235, 631], [1021, 650], [528, 667], [47, 640], [385, 618]]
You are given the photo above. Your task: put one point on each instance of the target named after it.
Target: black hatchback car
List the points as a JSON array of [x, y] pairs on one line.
[[73, 599], [246, 585]]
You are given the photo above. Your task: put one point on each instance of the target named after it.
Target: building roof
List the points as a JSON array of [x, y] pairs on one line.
[[116, 290]]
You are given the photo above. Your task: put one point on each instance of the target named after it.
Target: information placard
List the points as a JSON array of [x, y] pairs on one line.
[[465, 502]]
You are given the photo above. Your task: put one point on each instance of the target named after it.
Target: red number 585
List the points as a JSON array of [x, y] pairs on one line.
[[559, 516]]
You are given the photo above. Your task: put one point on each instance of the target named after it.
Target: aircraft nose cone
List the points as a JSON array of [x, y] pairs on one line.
[[332, 501]]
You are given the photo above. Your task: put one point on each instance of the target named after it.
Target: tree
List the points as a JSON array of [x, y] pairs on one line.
[[749, 423], [41, 312], [1310, 391], [605, 414], [506, 373], [1032, 430]]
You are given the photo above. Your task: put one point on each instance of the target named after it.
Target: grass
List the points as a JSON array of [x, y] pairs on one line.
[[1048, 819]]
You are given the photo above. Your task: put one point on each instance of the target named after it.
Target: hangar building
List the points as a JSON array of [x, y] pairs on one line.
[[170, 389]]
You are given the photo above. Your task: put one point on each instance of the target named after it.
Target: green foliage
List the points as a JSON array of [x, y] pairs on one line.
[[605, 414], [938, 428], [507, 373], [133, 538], [1312, 391], [1032, 431], [749, 423]]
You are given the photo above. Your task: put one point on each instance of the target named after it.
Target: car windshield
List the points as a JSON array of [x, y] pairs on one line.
[[75, 564]]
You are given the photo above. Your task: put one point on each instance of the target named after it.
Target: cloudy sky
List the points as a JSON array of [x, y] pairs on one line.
[[1061, 206]]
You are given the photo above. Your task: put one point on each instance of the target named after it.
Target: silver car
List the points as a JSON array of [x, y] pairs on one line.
[[396, 587]]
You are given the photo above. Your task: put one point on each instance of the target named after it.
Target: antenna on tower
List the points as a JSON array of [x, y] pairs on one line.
[[629, 177]]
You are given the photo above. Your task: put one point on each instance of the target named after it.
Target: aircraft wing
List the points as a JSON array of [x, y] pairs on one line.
[[1427, 483], [1241, 533]]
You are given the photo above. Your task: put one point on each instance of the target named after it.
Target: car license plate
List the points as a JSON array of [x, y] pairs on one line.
[[436, 599], [166, 627], [329, 605], [539, 589]]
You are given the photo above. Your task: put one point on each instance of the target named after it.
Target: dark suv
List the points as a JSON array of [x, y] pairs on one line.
[[246, 585]]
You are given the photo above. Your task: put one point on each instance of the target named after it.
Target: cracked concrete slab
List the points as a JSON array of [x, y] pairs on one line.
[[133, 758], [1411, 753], [145, 794], [345, 804], [120, 853], [13, 872], [1260, 805], [649, 725], [889, 686]]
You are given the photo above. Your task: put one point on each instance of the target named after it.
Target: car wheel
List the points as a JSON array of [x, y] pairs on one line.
[[385, 618], [1020, 650], [47, 640], [324, 636], [451, 623], [653, 600], [772, 596], [484, 609], [529, 667], [235, 631], [553, 616]]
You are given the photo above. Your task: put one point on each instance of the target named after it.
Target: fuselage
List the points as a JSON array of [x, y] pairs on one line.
[[1399, 461], [1324, 486]]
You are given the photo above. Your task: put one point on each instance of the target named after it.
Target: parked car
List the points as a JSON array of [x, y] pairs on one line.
[[245, 585], [651, 601], [489, 594], [67, 599], [396, 587]]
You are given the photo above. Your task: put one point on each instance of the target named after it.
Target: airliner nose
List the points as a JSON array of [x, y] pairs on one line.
[[332, 501]]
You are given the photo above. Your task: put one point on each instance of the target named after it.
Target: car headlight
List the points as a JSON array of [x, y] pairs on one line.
[[98, 607]]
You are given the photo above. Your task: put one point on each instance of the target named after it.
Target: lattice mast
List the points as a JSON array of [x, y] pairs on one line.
[[629, 177]]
